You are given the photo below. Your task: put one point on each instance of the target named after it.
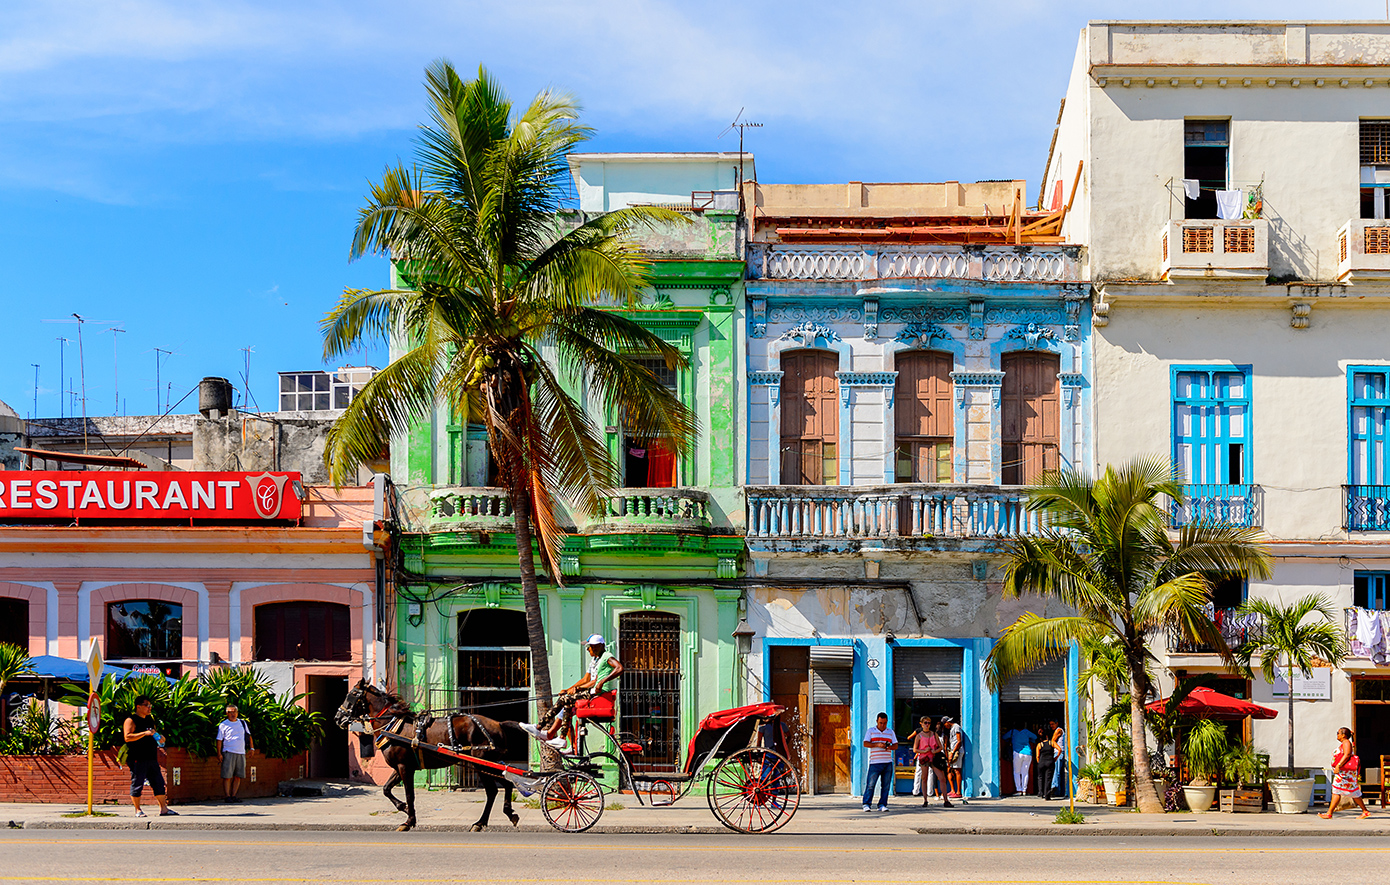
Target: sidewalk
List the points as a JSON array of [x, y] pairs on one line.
[[354, 807]]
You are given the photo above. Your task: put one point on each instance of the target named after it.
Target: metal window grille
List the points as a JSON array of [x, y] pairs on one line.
[[492, 681], [649, 696], [1238, 239], [1378, 241], [1197, 239], [1375, 142], [1342, 246]]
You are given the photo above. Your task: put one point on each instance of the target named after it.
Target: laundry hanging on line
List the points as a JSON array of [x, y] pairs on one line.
[[1192, 187], [1230, 204]]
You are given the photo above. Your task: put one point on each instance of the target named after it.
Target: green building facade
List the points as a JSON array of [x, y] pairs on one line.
[[656, 573]]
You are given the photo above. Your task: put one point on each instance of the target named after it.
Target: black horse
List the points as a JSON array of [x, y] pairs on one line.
[[475, 735]]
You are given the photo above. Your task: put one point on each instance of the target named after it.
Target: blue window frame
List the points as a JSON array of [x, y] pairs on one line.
[[1371, 590], [1211, 424], [1369, 399]]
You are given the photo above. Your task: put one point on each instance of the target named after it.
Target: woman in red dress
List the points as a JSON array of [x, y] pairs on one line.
[[1346, 775]]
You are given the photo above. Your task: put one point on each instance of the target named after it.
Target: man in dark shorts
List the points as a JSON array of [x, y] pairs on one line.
[[142, 755]]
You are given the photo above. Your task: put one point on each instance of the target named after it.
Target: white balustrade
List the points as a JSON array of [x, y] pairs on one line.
[[1036, 263], [883, 512]]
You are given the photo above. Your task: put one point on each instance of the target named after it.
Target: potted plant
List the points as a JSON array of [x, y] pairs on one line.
[[1244, 768], [1114, 776], [1088, 784], [1204, 749], [1291, 639]]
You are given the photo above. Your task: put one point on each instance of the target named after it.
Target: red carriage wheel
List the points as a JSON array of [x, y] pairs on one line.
[[754, 791], [571, 801]]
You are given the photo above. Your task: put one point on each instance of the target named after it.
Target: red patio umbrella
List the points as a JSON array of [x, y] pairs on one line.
[[1206, 703]]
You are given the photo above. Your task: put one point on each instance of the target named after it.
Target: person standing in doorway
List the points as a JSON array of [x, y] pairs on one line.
[[880, 742], [142, 740], [1046, 759], [1022, 741], [233, 743], [1346, 776], [955, 759], [1061, 777]]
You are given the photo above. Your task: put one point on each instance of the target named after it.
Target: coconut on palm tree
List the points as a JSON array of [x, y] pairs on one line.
[[491, 280], [1106, 553], [1290, 639]]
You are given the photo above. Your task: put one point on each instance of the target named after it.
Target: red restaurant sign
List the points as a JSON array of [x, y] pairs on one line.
[[69, 494]]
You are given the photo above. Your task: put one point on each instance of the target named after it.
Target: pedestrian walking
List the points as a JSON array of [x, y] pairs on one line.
[[955, 759], [1046, 755], [1021, 740], [880, 742], [233, 743], [930, 770], [143, 741], [1346, 776], [1061, 778]]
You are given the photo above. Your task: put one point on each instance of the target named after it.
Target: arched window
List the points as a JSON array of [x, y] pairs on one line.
[[150, 629], [923, 405], [810, 418], [1031, 405], [14, 621], [303, 631]]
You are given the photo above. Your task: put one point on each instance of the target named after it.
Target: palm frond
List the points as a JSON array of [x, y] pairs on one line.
[[388, 404], [1033, 640]]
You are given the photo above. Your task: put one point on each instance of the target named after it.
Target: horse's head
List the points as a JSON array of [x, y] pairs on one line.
[[356, 705]]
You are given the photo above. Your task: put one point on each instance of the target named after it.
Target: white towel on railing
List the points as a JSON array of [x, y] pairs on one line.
[[1230, 204], [1368, 629], [1191, 188]]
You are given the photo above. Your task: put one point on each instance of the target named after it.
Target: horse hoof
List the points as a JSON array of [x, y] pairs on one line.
[[476, 828], [403, 828]]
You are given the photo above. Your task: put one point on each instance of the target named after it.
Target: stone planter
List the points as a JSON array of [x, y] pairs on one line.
[[1086, 790], [63, 779], [1291, 795], [1199, 798], [1114, 787]]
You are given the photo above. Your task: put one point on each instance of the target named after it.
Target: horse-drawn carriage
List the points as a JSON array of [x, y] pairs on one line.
[[740, 756]]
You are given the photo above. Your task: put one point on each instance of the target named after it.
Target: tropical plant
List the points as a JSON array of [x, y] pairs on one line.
[[490, 277], [1106, 553], [1290, 635], [1204, 749], [35, 730], [14, 662], [1244, 766]]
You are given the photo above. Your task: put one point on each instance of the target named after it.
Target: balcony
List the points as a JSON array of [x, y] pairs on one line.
[[1234, 249], [1241, 505], [1366, 508], [654, 510], [1363, 250], [1237, 629], [1043, 264], [1358, 649], [478, 509], [889, 513]]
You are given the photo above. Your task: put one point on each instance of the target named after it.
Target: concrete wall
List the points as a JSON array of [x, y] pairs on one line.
[[615, 181], [885, 199], [254, 442]]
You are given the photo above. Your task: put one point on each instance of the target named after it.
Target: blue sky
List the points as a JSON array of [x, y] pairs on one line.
[[191, 170]]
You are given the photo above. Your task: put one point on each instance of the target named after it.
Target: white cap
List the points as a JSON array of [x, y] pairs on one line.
[[596, 639]]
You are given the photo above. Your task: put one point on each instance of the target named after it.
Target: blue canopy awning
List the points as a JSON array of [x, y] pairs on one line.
[[71, 670]]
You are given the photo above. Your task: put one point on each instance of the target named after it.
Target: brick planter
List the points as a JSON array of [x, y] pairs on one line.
[[64, 778]]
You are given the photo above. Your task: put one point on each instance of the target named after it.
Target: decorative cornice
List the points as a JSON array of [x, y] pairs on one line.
[[920, 335], [977, 379], [867, 379], [808, 333], [774, 377], [1032, 335]]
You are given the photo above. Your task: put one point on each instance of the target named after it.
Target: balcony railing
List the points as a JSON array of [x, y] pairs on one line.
[[478, 509], [1352, 622], [1005, 263], [1241, 505], [886, 512], [1366, 508], [1363, 250], [1234, 249], [1236, 629], [654, 510]]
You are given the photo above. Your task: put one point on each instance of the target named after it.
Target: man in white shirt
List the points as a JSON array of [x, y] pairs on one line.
[[233, 743], [880, 741]]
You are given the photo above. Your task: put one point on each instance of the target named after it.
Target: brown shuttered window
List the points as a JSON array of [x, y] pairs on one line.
[[810, 418], [923, 411], [1031, 406]]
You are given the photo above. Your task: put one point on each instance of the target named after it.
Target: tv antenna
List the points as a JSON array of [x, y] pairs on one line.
[[157, 352], [246, 378], [35, 413], [81, 321], [62, 348], [116, 365], [741, 125]]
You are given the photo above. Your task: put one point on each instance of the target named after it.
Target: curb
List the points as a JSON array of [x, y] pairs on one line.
[[1166, 832], [347, 827]]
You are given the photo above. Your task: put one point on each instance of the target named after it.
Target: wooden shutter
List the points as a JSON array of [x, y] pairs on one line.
[[810, 417], [924, 410], [1031, 406]]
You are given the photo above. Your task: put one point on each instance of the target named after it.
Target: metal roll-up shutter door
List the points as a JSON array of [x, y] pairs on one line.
[[1040, 684], [830, 685], [926, 672], [832, 656]]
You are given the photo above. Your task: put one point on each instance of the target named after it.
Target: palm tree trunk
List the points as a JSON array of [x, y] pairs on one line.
[[1290, 718], [531, 597], [1146, 797]]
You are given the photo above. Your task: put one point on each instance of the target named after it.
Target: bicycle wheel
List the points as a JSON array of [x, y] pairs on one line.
[[754, 791], [571, 801]]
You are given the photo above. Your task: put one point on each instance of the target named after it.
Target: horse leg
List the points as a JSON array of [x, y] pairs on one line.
[[408, 777], [507, 805], [391, 782], [489, 785]]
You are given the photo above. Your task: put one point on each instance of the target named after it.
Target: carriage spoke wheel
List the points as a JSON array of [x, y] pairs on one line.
[[754, 791], [571, 801]]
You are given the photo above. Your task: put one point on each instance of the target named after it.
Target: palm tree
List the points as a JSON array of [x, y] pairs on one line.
[[1289, 635], [14, 663], [1106, 553], [492, 277]]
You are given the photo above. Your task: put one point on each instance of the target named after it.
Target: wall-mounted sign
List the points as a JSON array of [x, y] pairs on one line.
[[1315, 687], [44, 495]]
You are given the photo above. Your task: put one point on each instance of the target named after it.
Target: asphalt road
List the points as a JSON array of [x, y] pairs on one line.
[[332, 856]]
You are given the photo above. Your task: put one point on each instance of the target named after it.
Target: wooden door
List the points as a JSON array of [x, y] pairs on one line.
[[810, 418], [1031, 406], [832, 748], [924, 409], [790, 684]]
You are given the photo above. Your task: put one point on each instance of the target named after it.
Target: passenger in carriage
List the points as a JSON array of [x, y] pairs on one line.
[[590, 695]]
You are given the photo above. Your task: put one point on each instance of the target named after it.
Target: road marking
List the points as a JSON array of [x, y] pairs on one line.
[[605, 879]]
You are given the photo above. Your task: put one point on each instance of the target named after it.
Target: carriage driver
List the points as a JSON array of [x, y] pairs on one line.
[[604, 668]]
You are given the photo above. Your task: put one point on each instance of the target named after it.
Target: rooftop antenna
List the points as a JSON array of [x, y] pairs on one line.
[[116, 366], [741, 126], [35, 413], [157, 352], [246, 378], [62, 346], [80, 320]]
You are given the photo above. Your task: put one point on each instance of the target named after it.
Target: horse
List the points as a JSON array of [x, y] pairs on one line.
[[476, 735]]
